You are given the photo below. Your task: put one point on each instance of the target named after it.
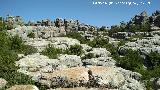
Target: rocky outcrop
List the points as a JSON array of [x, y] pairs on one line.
[[70, 60], [63, 42], [100, 52], [23, 87], [100, 61], [39, 31], [68, 71], [93, 76], [145, 46], [122, 35], [3, 83], [58, 42]]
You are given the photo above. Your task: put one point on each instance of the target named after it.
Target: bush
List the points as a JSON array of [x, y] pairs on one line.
[[9, 47], [98, 42], [88, 56], [26, 49], [5, 41], [112, 49], [51, 52], [77, 36], [7, 59], [153, 59], [74, 50], [16, 42], [31, 35], [131, 61], [15, 78], [18, 45]]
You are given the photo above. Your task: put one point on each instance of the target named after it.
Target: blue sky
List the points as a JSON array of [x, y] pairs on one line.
[[82, 10]]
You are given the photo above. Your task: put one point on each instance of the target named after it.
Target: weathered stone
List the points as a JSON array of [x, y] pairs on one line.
[[100, 52], [70, 60], [3, 83], [106, 77], [23, 87], [100, 61], [68, 77]]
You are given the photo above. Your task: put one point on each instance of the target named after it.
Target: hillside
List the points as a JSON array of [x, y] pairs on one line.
[[70, 55]]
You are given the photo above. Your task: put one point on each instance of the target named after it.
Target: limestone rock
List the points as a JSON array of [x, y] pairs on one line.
[[145, 46], [107, 77], [3, 83], [100, 61], [67, 77], [100, 52], [70, 60], [23, 87]]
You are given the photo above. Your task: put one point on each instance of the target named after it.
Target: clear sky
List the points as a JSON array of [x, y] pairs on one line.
[[83, 10]]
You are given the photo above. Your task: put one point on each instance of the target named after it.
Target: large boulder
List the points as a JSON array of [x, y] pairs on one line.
[[108, 77]]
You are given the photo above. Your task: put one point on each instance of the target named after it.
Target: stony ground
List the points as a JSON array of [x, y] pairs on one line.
[[70, 72]]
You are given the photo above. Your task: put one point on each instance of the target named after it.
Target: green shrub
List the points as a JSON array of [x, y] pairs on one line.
[[51, 52], [26, 49], [18, 45], [74, 50], [131, 61], [9, 47], [5, 41], [98, 42], [16, 42], [15, 78], [111, 48], [153, 59], [31, 35], [77, 36], [88, 56], [7, 59]]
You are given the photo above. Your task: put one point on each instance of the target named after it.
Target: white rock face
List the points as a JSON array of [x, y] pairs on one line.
[[70, 60], [35, 61], [23, 87], [101, 52], [57, 42], [86, 47], [3, 83], [68, 71], [39, 31], [40, 44], [63, 42], [145, 46], [100, 61], [131, 80], [107, 76]]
